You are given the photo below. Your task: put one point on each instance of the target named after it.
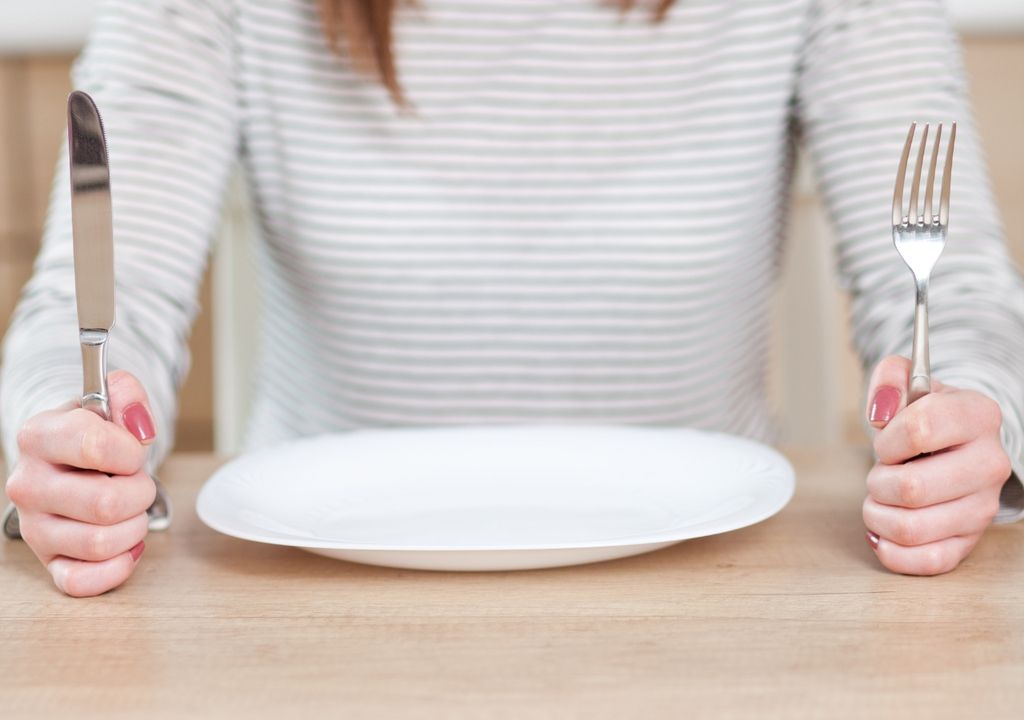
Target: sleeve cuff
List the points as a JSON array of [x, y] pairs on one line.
[[1011, 498]]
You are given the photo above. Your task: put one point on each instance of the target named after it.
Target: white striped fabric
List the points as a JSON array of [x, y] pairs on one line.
[[580, 221]]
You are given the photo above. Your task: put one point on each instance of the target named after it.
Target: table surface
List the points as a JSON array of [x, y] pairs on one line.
[[790, 618]]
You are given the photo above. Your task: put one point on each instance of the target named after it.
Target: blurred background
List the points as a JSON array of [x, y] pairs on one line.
[[815, 378]]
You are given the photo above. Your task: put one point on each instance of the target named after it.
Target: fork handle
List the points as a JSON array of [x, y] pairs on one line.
[[920, 366]]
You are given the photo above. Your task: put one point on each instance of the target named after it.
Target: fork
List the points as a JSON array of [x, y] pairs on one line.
[[919, 237]]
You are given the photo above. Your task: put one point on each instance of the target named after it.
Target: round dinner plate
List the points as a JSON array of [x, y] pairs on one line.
[[496, 498]]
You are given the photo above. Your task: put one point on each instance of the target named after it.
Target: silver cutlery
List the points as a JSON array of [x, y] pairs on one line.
[[92, 231], [919, 237]]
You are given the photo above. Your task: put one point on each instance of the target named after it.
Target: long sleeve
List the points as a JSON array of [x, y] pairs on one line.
[[869, 69], [161, 72]]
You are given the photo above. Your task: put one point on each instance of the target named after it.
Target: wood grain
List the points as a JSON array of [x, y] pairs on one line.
[[792, 618]]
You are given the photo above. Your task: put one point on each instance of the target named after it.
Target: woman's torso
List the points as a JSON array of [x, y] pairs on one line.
[[579, 221]]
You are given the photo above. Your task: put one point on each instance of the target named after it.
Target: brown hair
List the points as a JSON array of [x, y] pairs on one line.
[[363, 27]]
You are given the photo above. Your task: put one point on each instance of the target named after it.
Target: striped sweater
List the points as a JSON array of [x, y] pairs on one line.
[[580, 220]]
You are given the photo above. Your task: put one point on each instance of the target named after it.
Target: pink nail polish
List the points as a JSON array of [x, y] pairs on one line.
[[872, 539], [136, 552], [883, 407], [138, 422]]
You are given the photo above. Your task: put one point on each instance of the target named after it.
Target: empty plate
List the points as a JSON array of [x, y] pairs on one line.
[[496, 498]]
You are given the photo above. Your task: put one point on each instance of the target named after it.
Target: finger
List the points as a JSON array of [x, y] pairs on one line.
[[129, 406], [921, 526], [940, 477], [86, 579], [51, 535], [81, 439], [84, 495], [931, 559], [936, 422], [887, 391]]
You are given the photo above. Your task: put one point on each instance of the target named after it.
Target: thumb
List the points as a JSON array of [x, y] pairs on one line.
[[129, 406], [887, 391]]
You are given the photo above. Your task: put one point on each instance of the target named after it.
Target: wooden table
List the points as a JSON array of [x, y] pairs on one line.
[[792, 618]]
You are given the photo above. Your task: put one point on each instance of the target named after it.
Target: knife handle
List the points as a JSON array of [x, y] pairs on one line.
[[95, 398], [94, 368]]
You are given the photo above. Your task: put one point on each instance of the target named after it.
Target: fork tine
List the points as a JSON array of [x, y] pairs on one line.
[[901, 175], [947, 177], [931, 176], [915, 185]]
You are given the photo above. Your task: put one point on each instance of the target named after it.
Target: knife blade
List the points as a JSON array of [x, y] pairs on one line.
[[92, 230]]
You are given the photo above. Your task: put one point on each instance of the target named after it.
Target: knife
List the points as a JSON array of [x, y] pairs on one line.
[[93, 237], [92, 230]]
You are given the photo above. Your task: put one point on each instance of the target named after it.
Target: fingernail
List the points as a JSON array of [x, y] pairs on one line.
[[138, 422], [883, 407], [872, 539], [136, 552]]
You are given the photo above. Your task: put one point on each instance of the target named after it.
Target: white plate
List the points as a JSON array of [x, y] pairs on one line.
[[496, 498]]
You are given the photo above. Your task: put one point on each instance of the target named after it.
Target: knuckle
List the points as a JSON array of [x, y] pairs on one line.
[[138, 523], [990, 508], [143, 530], [891, 561], [95, 448], [122, 379], [919, 430], [27, 437], [935, 562], [891, 365], [29, 530], [74, 583], [866, 508], [150, 491], [906, 530], [875, 482], [909, 487], [1001, 466], [18, 488], [97, 544], [992, 413], [107, 506], [135, 459], [116, 377]]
